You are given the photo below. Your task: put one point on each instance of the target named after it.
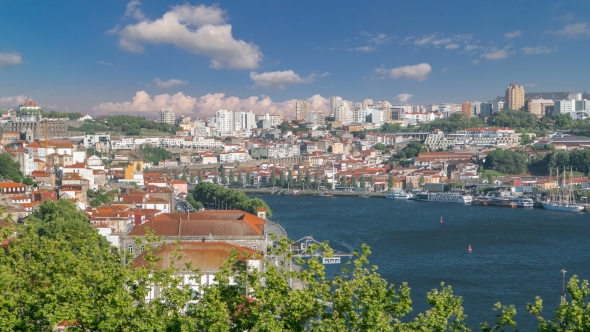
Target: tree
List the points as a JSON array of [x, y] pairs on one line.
[[175, 175], [9, 169], [282, 182], [290, 179], [559, 159], [192, 178], [273, 178], [249, 178], [390, 181], [197, 206], [209, 193], [199, 178], [222, 175], [315, 179], [372, 183], [380, 146], [232, 177], [307, 180], [353, 182], [563, 121], [362, 182], [507, 161], [525, 139], [184, 177]]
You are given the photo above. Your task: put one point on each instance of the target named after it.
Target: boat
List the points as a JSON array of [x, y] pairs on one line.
[[523, 202], [446, 197], [399, 195], [563, 198], [503, 202], [291, 193], [324, 194], [441, 219]]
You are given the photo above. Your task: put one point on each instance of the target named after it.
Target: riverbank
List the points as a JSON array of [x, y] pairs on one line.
[[271, 191]]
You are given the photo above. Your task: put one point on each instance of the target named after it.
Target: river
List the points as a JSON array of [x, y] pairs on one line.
[[517, 253]]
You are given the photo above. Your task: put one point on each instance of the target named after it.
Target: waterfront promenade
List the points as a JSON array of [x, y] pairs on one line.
[[281, 191]]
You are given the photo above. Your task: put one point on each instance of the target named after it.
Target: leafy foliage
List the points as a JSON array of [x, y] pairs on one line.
[[10, 169], [100, 197], [507, 161], [209, 193], [152, 154]]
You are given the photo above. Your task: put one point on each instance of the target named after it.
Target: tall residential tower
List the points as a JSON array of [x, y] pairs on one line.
[[514, 97], [302, 107]]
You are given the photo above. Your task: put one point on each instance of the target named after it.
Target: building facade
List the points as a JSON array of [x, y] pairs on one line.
[[514, 97]]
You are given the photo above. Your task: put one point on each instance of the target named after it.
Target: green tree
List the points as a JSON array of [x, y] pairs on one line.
[[307, 180], [199, 178], [559, 159], [362, 183], [222, 175], [184, 177], [563, 121], [525, 139], [507, 161], [232, 177], [9, 169], [282, 182], [380, 146], [197, 206], [390, 181], [353, 182], [209, 193], [273, 178]]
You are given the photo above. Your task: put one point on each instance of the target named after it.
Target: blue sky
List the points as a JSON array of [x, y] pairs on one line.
[[109, 57]]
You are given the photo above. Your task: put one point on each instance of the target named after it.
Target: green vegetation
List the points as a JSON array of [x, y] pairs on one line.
[[127, 125], [152, 154], [208, 193], [286, 126], [507, 161], [409, 151], [543, 161], [197, 206], [57, 268], [100, 197], [10, 169]]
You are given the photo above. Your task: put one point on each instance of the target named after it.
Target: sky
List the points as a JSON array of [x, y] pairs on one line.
[[136, 57]]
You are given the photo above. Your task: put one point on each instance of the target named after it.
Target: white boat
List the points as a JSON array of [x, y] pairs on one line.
[[523, 202], [446, 197], [398, 195], [563, 198]]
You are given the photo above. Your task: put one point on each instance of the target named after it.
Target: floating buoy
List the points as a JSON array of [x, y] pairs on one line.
[[469, 248], [440, 218]]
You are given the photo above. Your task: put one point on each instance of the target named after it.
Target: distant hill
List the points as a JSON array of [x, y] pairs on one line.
[[546, 95]]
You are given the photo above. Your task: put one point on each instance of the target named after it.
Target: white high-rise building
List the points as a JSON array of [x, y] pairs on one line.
[[167, 116], [335, 102], [377, 116], [359, 115], [302, 107], [244, 120], [224, 122], [574, 96], [343, 113], [564, 106], [368, 103]]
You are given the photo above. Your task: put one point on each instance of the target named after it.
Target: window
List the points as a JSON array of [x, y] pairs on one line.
[[254, 247], [130, 249], [141, 248]]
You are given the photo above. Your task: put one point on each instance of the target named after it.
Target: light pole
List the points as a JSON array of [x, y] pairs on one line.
[[563, 271]]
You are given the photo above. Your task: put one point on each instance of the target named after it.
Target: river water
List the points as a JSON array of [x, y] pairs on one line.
[[517, 253]]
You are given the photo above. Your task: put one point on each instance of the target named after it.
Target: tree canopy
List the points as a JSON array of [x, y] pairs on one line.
[[209, 193], [10, 169], [507, 161]]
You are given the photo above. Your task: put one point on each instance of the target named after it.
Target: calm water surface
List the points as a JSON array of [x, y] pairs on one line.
[[517, 253]]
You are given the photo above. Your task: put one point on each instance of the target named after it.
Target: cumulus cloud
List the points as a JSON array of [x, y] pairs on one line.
[[513, 34], [208, 104], [10, 59], [12, 101], [169, 83], [417, 72], [495, 55], [574, 31], [404, 97], [536, 50], [278, 79], [469, 48], [198, 29]]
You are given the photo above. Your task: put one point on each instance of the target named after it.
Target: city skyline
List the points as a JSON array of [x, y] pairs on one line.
[[198, 57]]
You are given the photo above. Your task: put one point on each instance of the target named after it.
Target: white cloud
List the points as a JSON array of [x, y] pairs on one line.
[[198, 29], [471, 47], [495, 54], [513, 34], [208, 104], [530, 85], [475, 61], [380, 39], [424, 40], [574, 31], [404, 97], [105, 63], [417, 72], [452, 46], [445, 69], [10, 59], [169, 83], [366, 49], [133, 11], [278, 79], [12, 101], [536, 50]]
